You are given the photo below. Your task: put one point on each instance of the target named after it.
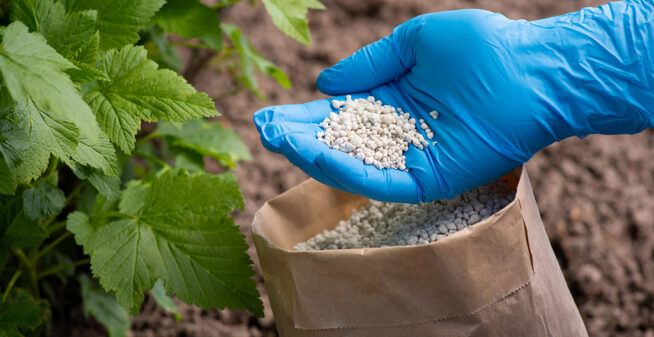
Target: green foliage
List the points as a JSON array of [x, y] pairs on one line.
[[177, 228], [206, 138], [42, 201], [250, 59], [76, 169], [104, 308], [118, 20], [20, 313], [290, 16], [191, 19], [138, 90], [164, 301], [19, 231]]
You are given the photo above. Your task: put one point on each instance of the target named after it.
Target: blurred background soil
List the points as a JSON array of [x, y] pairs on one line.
[[595, 195]]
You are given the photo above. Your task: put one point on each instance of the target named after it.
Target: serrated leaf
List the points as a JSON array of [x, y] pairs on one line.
[[107, 186], [86, 73], [87, 53], [207, 138], [79, 224], [250, 59], [45, 133], [20, 311], [177, 228], [138, 90], [42, 201], [65, 32], [118, 20], [190, 19], [20, 231], [158, 292], [290, 17], [98, 153], [104, 308], [35, 79]]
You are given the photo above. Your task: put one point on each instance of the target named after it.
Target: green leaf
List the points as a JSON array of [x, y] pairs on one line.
[[290, 17], [161, 51], [189, 160], [164, 301], [104, 308], [20, 231], [118, 20], [176, 228], [191, 19], [101, 204], [79, 224], [50, 109], [9, 331], [20, 312], [138, 90], [66, 32], [7, 177], [207, 138], [86, 73], [107, 186], [42, 201], [87, 53], [313, 4], [250, 59]]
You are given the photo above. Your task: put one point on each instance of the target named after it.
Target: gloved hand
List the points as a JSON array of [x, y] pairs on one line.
[[505, 89]]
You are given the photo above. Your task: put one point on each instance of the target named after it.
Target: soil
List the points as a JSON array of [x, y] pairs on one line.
[[594, 194]]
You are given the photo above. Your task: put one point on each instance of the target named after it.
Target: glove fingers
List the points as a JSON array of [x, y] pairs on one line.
[[272, 134], [370, 66], [358, 178], [311, 112], [302, 149]]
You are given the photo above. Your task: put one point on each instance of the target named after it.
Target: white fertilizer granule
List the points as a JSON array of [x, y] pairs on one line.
[[382, 224], [373, 133]]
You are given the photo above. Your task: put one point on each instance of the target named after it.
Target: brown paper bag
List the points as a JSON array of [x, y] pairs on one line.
[[497, 278]]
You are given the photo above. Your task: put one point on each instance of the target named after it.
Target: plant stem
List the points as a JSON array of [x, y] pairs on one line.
[[21, 256], [52, 244], [70, 198], [59, 268], [30, 268], [10, 285], [57, 226], [52, 167], [147, 137], [35, 284], [74, 192], [150, 157]]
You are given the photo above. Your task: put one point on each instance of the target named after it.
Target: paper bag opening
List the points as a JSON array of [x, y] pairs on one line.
[[461, 278]]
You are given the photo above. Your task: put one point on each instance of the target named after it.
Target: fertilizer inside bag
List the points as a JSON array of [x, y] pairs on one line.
[[498, 277], [385, 224]]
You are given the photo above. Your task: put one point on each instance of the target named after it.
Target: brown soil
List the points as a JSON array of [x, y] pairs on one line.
[[594, 194]]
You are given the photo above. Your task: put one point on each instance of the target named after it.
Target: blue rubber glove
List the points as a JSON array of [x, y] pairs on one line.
[[505, 89]]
